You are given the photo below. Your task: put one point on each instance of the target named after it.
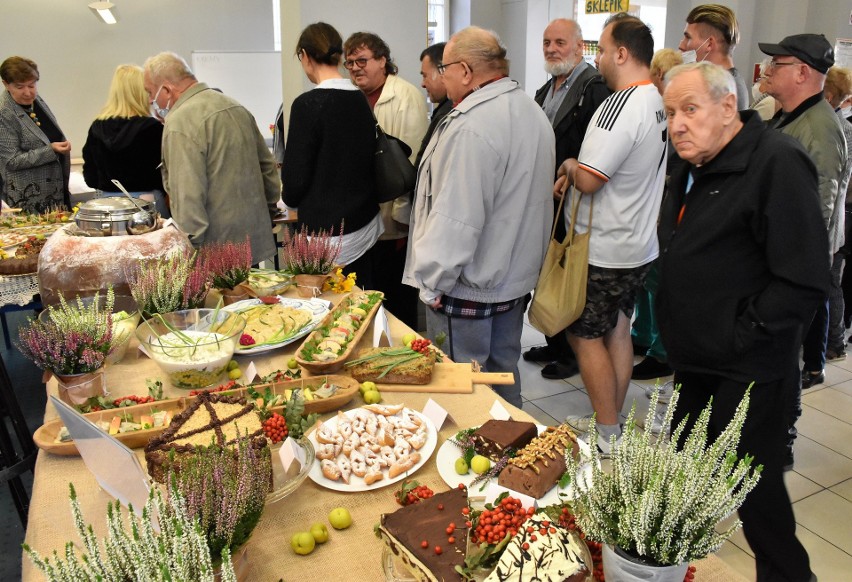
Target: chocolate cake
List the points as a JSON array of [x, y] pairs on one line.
[[538, 466], [211, 419], [495, 437], [405, 530], [553, 554]]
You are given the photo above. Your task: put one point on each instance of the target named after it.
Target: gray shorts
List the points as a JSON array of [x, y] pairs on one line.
[[608, 291]]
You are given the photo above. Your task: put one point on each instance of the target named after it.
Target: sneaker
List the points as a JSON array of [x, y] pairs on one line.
[[604, 448], [559, 371], [650, 368], [810, 379], [832, 355], [664, 391], [540, 354], [580, 424], [656, 422]]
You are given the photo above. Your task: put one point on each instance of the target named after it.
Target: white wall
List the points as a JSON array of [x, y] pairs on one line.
[[77, 53]]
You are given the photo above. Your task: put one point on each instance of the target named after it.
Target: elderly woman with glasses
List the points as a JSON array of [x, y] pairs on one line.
[[328, 161], [35, 157]]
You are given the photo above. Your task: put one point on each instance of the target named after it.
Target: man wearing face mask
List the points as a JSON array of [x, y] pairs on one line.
[[711, 34], [222, 180]]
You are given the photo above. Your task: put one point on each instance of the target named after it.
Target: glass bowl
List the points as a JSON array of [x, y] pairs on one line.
[[285, 482], [192, 346], [122, 328]]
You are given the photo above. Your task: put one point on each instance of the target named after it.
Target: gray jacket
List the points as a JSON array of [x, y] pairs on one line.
[[220, 176], [32, 175], [483, 208]]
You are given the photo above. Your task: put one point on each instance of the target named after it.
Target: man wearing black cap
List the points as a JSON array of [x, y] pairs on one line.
[[795, 77]]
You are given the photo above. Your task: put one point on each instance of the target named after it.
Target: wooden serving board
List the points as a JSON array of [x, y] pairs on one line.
[[45, 436], [451, 378]]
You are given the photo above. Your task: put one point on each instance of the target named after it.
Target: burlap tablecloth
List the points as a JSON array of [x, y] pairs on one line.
[[350, 555]]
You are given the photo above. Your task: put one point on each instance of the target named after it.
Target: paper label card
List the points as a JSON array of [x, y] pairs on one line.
[[381, 329], [436, 413], [493, 491], [290, 451], [499, 412], [250, 374]]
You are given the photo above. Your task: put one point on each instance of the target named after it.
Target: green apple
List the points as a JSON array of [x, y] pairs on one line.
[[233, 365], [302, 542], [320, 532], [480, 464], [408, 338], [340, 518], [461, 466], [292, 363], [372, 397], [367, 386]]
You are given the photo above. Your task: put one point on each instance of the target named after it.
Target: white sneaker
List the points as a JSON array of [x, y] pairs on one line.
[[604, 447], [664, 391], [580, 424], [656, 423]]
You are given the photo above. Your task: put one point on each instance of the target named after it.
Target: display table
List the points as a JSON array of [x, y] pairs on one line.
[[350, 555]]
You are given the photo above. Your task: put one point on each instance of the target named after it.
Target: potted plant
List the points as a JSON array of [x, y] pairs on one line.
[[225, 491], [72, 341], [176, 551], [169, 283], [229, 265], [310, 257], [658, 507]]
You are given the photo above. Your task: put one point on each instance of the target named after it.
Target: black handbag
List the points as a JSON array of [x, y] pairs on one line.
[[395, 175]]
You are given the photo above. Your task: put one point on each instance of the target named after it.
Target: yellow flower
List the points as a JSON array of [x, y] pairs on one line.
[[337, 283]]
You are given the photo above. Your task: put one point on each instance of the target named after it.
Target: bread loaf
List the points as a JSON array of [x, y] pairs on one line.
[[417, 371]]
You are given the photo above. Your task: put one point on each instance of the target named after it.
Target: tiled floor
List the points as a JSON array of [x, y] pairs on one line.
[[820, 485]]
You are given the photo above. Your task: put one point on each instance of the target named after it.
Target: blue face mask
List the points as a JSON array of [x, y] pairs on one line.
[[160, 112]]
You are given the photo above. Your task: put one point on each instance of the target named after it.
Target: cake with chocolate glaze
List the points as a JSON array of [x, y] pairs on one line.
[[536, 468], [494, 438], [405, 530], [210, 420], [542, 550]]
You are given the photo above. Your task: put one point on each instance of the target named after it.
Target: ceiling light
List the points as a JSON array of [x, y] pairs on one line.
[[104, 11]]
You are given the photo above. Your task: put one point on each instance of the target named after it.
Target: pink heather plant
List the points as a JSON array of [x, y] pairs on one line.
[[169, 283], [228, 263], [76, 339], [311, 253]]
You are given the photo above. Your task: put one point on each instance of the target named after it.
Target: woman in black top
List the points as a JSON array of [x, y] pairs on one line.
[[328, 161], [125, 142]]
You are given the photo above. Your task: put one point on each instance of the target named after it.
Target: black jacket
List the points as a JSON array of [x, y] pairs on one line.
[[746, 267], [127, 149], [585, 95], [438, 114]]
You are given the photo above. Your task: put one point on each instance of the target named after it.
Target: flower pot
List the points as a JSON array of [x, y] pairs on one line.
[[230, 296], [310, 285], [242, 567], [621, 566], [76, 389]]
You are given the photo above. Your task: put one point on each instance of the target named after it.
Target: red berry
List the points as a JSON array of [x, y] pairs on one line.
[[424, 544], [438, 550]]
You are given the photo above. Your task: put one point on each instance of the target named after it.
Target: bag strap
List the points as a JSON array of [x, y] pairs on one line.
[[575, 207]]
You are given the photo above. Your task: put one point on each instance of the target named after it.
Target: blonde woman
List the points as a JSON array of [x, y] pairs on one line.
[[124, 142]]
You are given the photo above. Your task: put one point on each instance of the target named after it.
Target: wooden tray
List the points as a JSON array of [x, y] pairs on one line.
[[451, 378], [331, 366], [45, 436]]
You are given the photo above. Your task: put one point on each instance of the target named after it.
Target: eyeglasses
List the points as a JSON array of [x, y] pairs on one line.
[[443, 67], [361, 63], [773, 64], [300, 54]]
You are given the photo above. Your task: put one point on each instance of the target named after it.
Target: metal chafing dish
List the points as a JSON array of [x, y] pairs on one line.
[[113, 216]]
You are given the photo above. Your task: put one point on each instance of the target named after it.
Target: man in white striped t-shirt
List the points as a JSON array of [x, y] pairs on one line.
[[620, 171]]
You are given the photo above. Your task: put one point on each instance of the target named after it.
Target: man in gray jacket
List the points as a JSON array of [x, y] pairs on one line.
[[220, 176], [483, 209]]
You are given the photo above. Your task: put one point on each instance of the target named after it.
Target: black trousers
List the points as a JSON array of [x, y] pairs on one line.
[[388, 258], [559, 342], [767, 515]]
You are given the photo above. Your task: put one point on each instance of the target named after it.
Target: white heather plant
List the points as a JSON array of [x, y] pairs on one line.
[[136, 553], [662, 504]]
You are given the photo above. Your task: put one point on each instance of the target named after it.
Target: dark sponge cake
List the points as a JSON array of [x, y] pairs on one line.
[[405, 530], [495, 437], [538, 466]]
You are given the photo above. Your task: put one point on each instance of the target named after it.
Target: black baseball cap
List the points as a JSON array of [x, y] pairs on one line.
[[812, 49]]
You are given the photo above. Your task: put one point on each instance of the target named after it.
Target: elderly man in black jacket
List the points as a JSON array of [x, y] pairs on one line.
[[743, 265]]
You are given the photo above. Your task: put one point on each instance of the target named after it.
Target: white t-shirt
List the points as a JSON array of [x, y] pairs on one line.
[[625, 145]]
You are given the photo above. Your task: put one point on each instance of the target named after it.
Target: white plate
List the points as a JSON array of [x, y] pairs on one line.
[[449, 452], [357, 483], [318, 308]]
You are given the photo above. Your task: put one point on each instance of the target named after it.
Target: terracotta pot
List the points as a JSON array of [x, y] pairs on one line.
[[310, 285], [230, 296], [621, 566], [242, 567], [76, 389]]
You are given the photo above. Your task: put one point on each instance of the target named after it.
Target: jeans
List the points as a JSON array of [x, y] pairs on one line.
[[836, 341]]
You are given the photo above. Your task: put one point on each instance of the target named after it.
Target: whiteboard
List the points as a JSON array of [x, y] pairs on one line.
[[252, 78]]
